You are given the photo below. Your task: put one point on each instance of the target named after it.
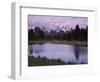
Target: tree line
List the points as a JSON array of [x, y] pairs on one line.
[[77, 34]]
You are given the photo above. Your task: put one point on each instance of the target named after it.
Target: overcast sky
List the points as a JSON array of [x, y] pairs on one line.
[[52, 21]]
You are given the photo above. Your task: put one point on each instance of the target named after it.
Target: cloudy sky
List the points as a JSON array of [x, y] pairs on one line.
[[53, 21]]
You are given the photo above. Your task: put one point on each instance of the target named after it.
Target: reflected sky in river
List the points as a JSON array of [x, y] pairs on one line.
[[67, 53]]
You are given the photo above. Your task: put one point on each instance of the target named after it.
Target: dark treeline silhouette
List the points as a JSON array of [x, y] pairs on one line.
[[78, 34]]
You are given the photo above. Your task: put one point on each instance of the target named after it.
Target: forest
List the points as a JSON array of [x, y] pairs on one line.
[[77, 34]]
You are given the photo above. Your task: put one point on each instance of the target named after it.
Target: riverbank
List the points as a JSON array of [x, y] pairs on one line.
[[77, 43], [43, 61]]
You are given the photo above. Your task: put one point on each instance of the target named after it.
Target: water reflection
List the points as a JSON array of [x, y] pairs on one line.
[[67, 53], [76, 48]]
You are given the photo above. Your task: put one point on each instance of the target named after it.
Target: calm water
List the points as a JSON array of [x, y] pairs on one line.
[[67, 53]]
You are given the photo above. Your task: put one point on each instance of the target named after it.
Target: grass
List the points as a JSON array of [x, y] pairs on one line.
[[43, 61], [37, 61]]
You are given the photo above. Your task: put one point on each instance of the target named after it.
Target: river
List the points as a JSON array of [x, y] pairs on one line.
[[65, 52]]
